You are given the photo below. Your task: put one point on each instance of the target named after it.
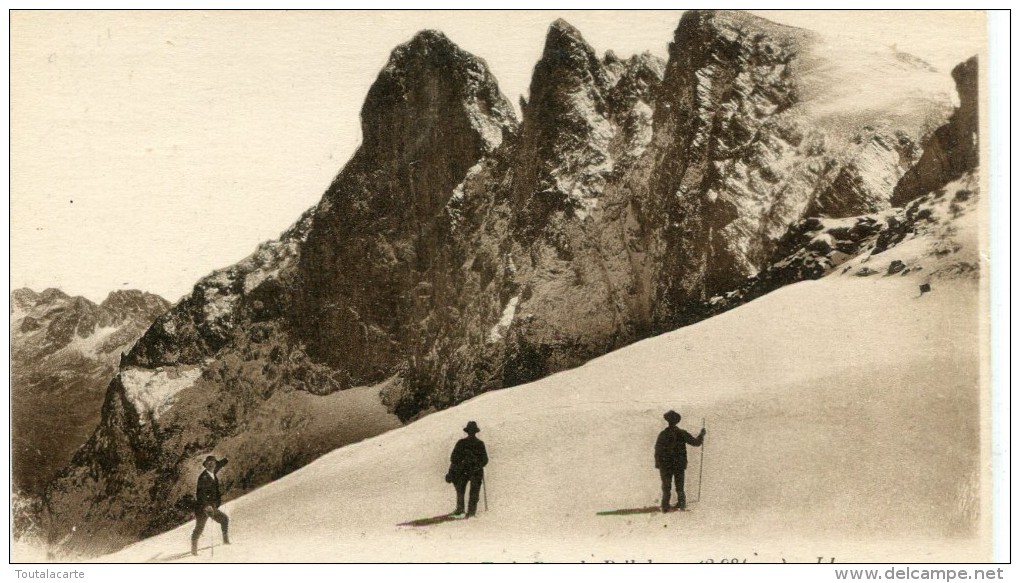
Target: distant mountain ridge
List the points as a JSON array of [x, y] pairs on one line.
[[64, 352], [462, 250]]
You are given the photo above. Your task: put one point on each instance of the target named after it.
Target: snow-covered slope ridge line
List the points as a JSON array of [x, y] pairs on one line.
[[821, 401]]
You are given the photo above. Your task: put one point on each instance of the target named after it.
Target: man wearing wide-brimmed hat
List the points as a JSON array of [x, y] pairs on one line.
[[466, 463], [207, 501], [671, 458]]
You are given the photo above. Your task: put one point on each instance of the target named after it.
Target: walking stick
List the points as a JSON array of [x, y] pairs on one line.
[[209, 536], [485, 495], [701, 466]]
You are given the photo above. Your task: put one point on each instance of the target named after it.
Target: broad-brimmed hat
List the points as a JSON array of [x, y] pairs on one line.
[[210, 458], [472, 428], [671, 417]]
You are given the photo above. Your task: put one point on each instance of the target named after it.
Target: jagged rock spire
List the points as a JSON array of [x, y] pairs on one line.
[[953, 149], [565, 127], [432, 114], [430, 79]]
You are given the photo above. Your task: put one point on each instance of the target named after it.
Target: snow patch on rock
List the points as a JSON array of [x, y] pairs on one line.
[[255, 278], [642, 113], [458, 192], [454, 204], [90, 345], [582, 176], [497, 331], [218, 305], [487, 128], [154, 391]]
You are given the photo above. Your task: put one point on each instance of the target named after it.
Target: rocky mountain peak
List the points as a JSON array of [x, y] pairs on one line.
[[966, 77], [731, 39], [715, 47], [568, 63], [561, 27], [133, 301], [430, 84], [23, 299], [51, 294], [730, 26], [566, 129], [25, 293], [952, 149], [426, 39], [432, 114], [62, 318], [565, 48]]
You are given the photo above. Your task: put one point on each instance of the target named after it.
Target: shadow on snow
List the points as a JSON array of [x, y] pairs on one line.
[[432, 520]]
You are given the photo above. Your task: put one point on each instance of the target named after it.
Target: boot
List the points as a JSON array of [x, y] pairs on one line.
[[681, 501], [226, 539], [194, 546]]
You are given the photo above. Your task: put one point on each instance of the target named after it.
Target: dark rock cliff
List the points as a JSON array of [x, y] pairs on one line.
[[953, 149], [941, 185], [434, 111]]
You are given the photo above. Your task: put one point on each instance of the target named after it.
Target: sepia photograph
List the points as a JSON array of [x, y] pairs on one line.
[[559, 286]]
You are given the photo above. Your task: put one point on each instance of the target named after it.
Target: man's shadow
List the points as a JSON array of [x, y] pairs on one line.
[[158, 558], [629, 511], [432, 520]]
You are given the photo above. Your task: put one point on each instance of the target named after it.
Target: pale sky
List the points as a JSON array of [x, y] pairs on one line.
[[148, 149]]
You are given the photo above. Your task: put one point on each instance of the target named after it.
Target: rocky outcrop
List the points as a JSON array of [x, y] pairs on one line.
[[543, 227], [818, 247], [203, 322], [64, 351], [432, 114], [954, 148], [563, 158], [864, 246], [939, 188], [729, 146], [461, 251], [864, 184]]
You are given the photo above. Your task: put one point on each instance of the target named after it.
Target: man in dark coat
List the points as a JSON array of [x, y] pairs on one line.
[[671, 458], [466, 463], [207, 501]]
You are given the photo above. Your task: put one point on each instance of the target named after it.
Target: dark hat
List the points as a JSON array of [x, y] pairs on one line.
[[209, 458], [472, 427], [671, 417]]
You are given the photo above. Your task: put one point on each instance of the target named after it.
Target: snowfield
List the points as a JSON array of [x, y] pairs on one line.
[[843, 421]]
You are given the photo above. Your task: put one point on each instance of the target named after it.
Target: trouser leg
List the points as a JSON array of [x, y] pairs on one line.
[[224, 523], [681, 495], [460, 485], [476, 485], [666, 474], [200, 519]]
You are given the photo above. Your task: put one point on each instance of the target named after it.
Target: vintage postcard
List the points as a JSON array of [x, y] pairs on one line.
[[494, 286]]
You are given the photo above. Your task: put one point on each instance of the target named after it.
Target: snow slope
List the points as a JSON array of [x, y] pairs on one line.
[[843, 420]]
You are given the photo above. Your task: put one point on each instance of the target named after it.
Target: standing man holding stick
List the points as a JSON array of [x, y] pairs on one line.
[[466, 466], [207, 501], [671, 458]]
